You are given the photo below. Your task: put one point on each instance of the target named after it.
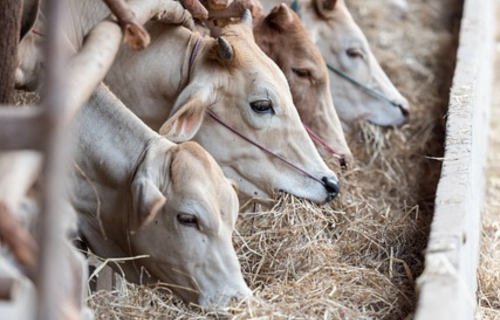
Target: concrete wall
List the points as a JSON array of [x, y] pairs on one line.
[[447, 287]]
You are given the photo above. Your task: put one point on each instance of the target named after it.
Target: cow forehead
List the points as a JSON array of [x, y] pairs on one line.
[[192, 162], [302, 52], [252, 59], [196, 175]]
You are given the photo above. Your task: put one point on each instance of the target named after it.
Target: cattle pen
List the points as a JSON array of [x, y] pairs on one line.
[[402, 239]]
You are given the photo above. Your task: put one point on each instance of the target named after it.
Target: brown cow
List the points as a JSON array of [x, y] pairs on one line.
[[284, 39]]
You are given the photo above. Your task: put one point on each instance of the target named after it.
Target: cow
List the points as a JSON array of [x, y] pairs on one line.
[[159, 84], [285, 40], [344, 46], [136, 193], [174, 83], [77, 18]]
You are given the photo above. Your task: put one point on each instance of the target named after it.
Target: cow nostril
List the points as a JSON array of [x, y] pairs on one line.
[[404, 111], [332, 186]]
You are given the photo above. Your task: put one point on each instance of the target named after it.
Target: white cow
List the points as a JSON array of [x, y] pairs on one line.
[[344, 46], [137, 193]]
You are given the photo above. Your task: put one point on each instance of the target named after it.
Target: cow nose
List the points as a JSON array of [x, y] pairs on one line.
[[223, 300], [404, 106], [332, 186], [404, 111]]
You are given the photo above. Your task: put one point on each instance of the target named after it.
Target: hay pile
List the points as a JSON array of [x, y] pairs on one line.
[[358, 257], [489, 267]]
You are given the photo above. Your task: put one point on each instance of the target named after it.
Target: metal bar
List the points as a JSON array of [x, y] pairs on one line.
[[6, 287], [49, 288], [21, 128]]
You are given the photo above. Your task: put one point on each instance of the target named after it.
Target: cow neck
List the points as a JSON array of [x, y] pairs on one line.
[[78, 19], [81, 17], [115, 138]]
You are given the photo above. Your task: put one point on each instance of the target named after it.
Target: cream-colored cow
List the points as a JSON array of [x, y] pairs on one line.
[[78, 18], [344, 46], [137, 193], [182, 75], [285, 40]]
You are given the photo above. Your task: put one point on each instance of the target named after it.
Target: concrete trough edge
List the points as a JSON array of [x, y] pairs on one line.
[[447, 287]]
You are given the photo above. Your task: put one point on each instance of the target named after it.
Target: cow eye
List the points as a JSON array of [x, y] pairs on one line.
[[302, 73], [355, 53], [262, 106], [188, 220]]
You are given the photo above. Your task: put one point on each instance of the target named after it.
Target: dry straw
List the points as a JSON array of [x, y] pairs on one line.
[[489, 268]]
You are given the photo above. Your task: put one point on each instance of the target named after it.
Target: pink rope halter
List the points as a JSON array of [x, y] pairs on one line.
[[322, 142]]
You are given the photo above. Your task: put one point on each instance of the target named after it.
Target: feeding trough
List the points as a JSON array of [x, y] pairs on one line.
[[448, 284]]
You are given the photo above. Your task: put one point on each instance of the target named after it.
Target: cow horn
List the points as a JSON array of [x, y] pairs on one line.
[[247, 17], [225, 50]]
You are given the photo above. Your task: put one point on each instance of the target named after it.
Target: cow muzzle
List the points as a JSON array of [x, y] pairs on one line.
[[218, 300], [332, 186]]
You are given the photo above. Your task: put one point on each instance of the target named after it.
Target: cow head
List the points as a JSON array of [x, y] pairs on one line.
[[284, 39], [237, 81], [344, 46], [184, 215], [29, 50]]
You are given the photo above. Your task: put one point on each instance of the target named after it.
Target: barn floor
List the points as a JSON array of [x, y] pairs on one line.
[[489, 268]]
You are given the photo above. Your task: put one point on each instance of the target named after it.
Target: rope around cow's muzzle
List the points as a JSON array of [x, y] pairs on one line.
[[261, 147], [362, 86]]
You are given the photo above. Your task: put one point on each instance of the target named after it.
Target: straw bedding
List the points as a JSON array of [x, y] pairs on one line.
[[489, 267], [358, 257]]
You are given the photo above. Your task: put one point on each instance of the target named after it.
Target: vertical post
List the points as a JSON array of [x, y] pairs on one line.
[[10, 25], [51, 255]]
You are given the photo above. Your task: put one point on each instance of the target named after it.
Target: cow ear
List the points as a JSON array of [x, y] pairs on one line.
[[147, 201], [188, 116], [29, 16], [280, 17]]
